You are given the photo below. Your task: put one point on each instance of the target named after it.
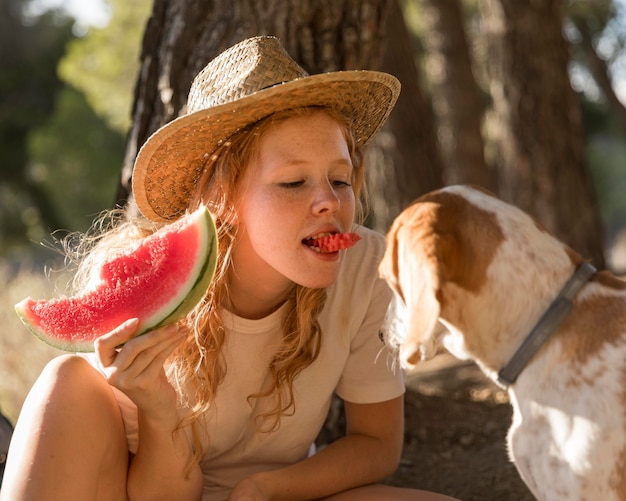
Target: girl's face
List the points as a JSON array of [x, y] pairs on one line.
[[298, 186]]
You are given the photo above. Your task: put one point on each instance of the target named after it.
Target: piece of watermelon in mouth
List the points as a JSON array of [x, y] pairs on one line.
[[334, 242]]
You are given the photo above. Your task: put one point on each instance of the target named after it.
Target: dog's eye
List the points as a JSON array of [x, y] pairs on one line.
[[381, 336]]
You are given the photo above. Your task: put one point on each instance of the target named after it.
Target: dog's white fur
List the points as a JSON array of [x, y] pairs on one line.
[[476, 274]]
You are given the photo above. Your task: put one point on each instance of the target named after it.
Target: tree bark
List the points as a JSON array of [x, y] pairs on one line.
[[457, 99], [322, 35], [537, 124], [404, 161]]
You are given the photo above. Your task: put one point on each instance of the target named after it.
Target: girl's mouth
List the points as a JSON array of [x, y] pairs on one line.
[[331, 242]]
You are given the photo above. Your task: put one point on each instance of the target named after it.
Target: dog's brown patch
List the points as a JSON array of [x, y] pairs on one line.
[[618, 478], [463, 252], [605, 278], [593, 323]]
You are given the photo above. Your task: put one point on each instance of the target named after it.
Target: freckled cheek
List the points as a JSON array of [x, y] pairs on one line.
[[273, 206], [276, 209], [267, 214], [347, 206]]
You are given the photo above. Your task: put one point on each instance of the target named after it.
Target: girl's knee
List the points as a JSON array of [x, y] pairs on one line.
[[71, 383], [72, 414], [71, 377], [69, 366]]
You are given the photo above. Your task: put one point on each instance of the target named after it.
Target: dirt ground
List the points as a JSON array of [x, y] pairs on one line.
[[456, 424]]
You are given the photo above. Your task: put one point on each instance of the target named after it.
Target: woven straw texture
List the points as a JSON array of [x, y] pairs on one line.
[[244, 84]]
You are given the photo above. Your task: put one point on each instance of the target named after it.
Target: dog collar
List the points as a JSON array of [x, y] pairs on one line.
[[549, 322]]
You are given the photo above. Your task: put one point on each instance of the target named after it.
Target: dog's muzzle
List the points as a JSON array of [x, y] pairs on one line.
[[394, 333], [394, 328]]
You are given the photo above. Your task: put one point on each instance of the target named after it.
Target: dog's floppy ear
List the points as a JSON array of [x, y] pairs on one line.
[[419, 278], [410, 266]]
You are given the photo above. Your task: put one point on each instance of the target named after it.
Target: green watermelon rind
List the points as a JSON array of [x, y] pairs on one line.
[[200, 287], [73, 346], [172, 313]]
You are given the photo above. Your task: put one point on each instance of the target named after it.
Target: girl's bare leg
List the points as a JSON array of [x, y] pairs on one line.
[[69, 441]]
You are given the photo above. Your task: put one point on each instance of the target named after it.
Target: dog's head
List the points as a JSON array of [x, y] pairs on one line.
[[439, 243], [461, 259], [414, 310]]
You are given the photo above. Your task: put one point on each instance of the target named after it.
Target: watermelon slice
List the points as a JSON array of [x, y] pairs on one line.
[[334, 243], [158, 280]]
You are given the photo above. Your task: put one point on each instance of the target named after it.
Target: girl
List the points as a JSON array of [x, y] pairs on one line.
[[226, 404]]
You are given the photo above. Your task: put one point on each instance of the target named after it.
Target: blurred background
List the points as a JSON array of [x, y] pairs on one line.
[[524, 99]]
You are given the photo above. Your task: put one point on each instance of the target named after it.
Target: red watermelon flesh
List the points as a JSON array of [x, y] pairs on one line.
[[335, 242], [158, 280]]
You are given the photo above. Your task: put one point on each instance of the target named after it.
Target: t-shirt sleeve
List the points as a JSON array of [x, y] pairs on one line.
[[371, 373]]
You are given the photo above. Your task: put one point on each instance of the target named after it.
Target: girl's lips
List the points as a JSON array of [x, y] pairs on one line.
[[313, 242], [331, 242]]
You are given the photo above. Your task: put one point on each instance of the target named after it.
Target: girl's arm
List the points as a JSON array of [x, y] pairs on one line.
[[159, 470], [368, 453], [160, 467]]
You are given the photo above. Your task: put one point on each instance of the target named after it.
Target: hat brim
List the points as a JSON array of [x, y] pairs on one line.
[[169, 164]]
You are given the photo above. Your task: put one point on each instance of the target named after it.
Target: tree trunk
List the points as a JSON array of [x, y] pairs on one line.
[[457, 97], [537, 123], [322, 35], [404, 161]]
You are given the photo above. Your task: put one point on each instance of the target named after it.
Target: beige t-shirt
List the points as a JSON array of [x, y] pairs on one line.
[[353, 362]]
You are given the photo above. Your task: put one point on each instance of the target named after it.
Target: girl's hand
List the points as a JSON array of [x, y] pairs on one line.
[[137, 370]]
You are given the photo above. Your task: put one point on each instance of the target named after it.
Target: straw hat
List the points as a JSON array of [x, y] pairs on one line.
[[242, 85]]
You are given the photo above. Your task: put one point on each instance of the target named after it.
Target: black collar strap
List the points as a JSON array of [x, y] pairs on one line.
[[549, 322]]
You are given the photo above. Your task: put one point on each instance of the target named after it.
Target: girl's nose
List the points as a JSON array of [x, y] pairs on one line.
[[326, 200]]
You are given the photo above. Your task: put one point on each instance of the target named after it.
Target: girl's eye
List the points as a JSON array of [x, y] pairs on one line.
[[340, 183], [292, 184]]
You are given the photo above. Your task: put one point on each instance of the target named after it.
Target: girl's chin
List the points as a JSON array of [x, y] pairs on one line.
[[316, 282], [317, 273]]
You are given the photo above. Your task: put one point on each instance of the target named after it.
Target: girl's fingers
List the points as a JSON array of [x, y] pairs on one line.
[[138, 355], [106, 346], [138, 369], [149, 362]]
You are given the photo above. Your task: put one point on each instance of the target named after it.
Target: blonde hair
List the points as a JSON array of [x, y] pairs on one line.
[[198, 367]]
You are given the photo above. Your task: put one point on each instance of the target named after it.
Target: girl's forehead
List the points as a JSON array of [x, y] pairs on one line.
[[278, 131], [302, 140], [308, 115]]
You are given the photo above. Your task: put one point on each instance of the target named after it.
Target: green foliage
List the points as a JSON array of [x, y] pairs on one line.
[[603, 21], [607, 157], [104, 63], [76, 159], [60, 160], [596, 13], [29, 53]]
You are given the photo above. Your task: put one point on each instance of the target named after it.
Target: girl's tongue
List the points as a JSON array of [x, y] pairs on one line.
[[333, 243]]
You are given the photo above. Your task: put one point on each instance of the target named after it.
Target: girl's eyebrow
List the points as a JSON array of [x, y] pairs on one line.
[[296, 162]]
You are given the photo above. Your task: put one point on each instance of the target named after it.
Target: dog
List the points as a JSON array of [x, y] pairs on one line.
[[485, 280]]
